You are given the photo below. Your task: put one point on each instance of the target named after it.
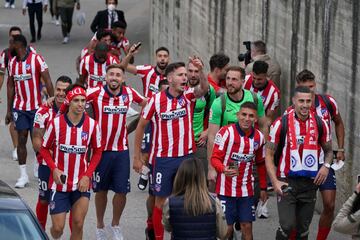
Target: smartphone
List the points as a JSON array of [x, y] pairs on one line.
[[63, 178], [358, 179], [286, 188], [137, 45], [335, 154]]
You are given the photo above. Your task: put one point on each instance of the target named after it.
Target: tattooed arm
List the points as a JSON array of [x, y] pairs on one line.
[[324, 171]]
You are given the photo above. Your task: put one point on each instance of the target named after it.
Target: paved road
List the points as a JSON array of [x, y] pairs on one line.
[[60, 59]]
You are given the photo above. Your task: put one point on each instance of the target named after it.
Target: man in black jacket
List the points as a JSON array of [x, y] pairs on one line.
[[104, 19]]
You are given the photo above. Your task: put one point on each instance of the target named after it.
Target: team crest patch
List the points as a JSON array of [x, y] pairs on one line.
[[256, 144], [125, 98], [263, 98], [84, 136], [157, 187], [27, 66], [182, 101], [309, 160], [52, 205], [218, 139]]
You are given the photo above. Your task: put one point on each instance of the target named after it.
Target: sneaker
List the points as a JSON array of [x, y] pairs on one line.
[[100, 234], [14, 154], [22, 182], [116, 232], [12, 6], [149, 234], [66, 40], [57, 22], [36, 169], [7, 5]]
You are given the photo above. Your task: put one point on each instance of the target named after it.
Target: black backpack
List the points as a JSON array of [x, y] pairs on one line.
[[283, 132]]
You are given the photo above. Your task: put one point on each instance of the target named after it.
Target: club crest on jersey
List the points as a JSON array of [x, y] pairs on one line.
[[27, 66], [178, 113], [84, 136], [125, 98], [256, 144], [182, 101], [309, 160], [72, 149], [240, 157], [262, 98], [115, 109]]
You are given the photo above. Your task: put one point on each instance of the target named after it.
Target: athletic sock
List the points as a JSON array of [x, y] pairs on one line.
[[149, 223], [23, 170], [157, 222], [323, 232], [41, 213], [293, 234]]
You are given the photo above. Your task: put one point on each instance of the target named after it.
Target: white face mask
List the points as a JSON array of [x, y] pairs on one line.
[[111, 7]]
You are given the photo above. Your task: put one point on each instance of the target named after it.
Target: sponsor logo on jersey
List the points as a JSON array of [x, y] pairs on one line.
[[22, 77], [300, 140], [242, 157], [173, 114], [97, 78], [115, 109], [154, 88], [72, 149]]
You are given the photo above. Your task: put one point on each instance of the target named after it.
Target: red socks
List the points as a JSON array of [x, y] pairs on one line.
[[149, 223], [323, 232], [158, 227], [41, 213], [293, 234]]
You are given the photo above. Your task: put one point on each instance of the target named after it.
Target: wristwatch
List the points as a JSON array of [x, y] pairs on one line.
[[327, 165]]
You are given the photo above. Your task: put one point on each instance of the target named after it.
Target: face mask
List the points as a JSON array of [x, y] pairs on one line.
[[111, 7]]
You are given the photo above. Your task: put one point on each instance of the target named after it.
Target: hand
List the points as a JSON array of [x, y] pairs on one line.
[[45, 8], [321, 175], [263, 196], [56, 176], [24, 11], [340, 155], [137, 164], [49, 102], [196, 61], [132, 50], [211, 174], [202, 139], [78, 6], [277, 187], [230, 172], [84, 184], [8, 118]]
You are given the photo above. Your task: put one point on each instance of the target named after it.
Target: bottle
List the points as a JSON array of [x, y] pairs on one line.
[[144, 177]]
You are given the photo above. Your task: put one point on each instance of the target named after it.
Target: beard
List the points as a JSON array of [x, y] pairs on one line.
[[194, 82], [233, 90], [162, 66]]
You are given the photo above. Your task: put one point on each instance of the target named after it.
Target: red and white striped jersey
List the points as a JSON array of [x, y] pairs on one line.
[[173, 134], [233, 146], [70, 145], [150, 78], [44, 115], [301, 128], [110, 112], [27, 76], [95, 71], [5, 57], [270, 95], [84, 52]]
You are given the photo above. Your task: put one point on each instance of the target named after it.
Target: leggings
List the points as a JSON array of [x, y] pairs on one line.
[[66, 15]]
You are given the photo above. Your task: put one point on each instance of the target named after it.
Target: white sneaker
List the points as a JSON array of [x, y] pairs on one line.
[[57, 22], [116, 232], [22, 182], [14, 155], [12, 6], [7, 5], [66, 40], [36, 169], [100, 234]]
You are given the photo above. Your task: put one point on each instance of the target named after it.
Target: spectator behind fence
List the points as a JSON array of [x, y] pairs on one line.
[[348, 219], [191, 212], [104, 19]]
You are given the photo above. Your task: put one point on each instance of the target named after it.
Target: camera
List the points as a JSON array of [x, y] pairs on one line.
[[246, 57]]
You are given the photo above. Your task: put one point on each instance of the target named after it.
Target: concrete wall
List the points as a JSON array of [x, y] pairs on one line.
[[321, 35]]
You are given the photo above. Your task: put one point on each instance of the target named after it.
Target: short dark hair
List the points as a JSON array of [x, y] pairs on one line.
[[236, 69], [72, 86], [260, 67], [102, 33], [162, 49], [304, 76], [173, 66], [218, 60], [116, 2], [21, 39], [301, 89], [250, 105], [119, 24], [64, 79], [163, 82], [115, 66], [14, 28], [259, 46]]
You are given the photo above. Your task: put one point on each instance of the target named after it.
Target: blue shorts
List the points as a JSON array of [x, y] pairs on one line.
[[330, 183], [113, 172], [44, 174], [165, 170], [61, 202], [146, 142], [23, 120], [240, 209], [151, 182]]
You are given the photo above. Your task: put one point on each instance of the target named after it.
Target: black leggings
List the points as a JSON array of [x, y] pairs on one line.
[[66, 15], [56, 13], [35, 8]]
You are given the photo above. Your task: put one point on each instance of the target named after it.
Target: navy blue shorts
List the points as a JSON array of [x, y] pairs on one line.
[[240, 209], [165, 170], [113, 172], [151, 182], [44, 174], [146, 142], [63, 201], [330, 183], [23, 120]]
